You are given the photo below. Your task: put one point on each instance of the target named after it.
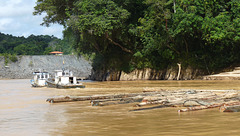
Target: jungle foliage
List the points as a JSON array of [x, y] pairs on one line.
[[32, 45], [129, 34]]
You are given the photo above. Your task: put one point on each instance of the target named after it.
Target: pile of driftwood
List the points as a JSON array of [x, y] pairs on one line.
[[185, 100]]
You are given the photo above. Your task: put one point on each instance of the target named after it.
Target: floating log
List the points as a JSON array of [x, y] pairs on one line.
[[151, 100], [163, 102], [93, 102], [158, 106], [116, 101], [230, 107], [223, 107], [199, 107], [235, 108], [97, 97], [150, 108]]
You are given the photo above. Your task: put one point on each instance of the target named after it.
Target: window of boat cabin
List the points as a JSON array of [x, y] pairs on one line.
[[65, 73]]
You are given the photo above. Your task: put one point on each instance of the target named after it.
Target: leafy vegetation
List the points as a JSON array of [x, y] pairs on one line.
[[129, 34], [32, 45]]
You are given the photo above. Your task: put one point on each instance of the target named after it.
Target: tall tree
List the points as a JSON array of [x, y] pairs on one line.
[[128, 34], [100, 26], [192, 32]]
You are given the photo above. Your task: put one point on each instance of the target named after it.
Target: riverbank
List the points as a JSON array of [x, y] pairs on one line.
[[148, 74], [230, 75], [24, 66], [171, 73]]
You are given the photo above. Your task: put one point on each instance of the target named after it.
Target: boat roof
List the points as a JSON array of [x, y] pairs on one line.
[[61, 70], [56, 52], [40, 72]]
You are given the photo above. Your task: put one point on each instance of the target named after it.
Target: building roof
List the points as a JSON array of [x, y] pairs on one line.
[[56, 52]]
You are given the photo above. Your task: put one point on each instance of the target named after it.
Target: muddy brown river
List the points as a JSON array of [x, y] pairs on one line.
[[25, 112]]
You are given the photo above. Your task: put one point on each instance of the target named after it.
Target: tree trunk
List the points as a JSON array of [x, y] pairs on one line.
[[179, 70], [174, 5]]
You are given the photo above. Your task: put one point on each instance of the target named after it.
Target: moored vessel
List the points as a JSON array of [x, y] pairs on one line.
[[39, 79], [64, 79]]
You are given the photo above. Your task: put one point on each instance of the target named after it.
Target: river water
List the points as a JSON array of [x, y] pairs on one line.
[[24, 111]]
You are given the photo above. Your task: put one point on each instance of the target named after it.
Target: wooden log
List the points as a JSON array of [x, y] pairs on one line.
[[191, 103], [159, 106], [123, 101], [200, 107], [210, 106], [104, 100], [235, 108], [97, 97], [230, 107], [163, 102], [149, 108], [151, 100]]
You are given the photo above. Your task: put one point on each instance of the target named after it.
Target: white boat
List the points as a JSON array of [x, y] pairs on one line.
[[39, 79], [64, 79]]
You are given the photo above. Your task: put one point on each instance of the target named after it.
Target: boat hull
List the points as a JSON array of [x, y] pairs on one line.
[[51, 84], [36, 84]]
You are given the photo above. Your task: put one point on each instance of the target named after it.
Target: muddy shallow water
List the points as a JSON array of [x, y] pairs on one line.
[[24, 111]]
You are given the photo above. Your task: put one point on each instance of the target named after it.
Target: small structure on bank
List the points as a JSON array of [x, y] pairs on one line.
[[39, 79], [56, 53]]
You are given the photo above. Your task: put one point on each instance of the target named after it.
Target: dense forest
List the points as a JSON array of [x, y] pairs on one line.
[[32, 45], [129, 34]]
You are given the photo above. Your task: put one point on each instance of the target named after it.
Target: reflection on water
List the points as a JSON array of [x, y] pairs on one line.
[[23, 111]]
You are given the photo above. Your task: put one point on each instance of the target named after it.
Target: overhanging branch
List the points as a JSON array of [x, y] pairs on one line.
[[117, 44]]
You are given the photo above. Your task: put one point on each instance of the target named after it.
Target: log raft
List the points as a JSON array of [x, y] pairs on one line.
[[192, 100]]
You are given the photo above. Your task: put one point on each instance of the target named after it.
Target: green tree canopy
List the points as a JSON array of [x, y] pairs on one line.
[[32, 45], [127, 34]]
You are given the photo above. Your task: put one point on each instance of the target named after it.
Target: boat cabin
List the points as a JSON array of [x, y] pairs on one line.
[[39, 79], [65, 77], [41, 75]]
